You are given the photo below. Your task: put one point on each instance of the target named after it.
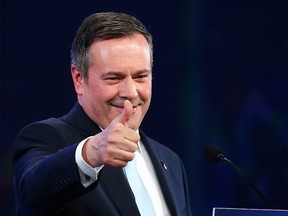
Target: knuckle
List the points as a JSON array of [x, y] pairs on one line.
[[110, 138]]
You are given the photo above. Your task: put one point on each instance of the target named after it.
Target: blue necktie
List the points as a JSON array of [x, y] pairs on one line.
[[142, 197]]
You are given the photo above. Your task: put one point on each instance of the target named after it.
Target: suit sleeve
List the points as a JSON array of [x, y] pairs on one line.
[[46, 174]]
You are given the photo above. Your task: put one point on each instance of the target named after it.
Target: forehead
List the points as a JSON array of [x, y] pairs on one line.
[[124, 50]]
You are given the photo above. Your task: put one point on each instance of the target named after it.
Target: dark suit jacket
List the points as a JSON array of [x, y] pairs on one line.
[[47, 182]]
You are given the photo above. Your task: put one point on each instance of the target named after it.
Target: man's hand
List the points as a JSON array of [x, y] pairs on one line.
[[115, 145]]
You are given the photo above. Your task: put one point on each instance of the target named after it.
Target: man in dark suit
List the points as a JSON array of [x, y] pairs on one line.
[[80, 164]]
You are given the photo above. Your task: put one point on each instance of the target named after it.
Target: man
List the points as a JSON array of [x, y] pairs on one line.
[[82, 163]]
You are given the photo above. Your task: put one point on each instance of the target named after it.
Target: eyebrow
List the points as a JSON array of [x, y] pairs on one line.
[[119, 73]]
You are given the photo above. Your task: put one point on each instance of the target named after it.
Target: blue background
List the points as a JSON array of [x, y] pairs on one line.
[[220, 70]]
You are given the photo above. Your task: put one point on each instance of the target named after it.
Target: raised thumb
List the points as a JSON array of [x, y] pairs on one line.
[[127, 113]]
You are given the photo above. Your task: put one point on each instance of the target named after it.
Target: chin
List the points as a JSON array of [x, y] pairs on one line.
[[136, 124]]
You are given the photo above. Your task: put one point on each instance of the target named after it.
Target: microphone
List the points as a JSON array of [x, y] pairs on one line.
[[215, 155]]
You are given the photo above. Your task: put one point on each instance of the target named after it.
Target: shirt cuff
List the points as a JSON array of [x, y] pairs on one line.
[[88, 174]]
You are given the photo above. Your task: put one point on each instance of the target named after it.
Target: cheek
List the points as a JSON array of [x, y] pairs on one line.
[[145, 91], [145, 96], [102, 94]]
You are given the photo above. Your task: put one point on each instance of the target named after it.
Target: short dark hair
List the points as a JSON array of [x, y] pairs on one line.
[[103, 26]]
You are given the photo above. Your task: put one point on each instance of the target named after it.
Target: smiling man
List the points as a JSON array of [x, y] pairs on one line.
[[96, 160]]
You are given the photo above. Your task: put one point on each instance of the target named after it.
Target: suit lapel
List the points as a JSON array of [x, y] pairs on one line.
[[78, 119], [159, 166], [116, 185]]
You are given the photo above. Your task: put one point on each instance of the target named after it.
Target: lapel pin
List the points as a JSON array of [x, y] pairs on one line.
[[163, 164]]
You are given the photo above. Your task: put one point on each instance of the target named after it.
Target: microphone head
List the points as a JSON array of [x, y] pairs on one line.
[[212, 153]]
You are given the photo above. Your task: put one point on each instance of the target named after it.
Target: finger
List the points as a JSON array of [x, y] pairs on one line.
[[118, 158], [124, 156], [127, 113], [129, 146]]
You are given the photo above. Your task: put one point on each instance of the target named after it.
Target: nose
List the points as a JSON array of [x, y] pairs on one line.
[[128, 89]]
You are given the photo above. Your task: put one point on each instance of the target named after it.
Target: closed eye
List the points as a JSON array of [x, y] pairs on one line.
[[141, 76], [112, 78]]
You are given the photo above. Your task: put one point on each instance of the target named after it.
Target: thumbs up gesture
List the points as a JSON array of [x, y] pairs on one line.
[[116, 144]]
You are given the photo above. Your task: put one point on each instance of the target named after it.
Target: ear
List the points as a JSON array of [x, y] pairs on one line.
[[78, 80]]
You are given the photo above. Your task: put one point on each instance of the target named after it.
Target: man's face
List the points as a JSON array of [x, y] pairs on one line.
[[120, 70]]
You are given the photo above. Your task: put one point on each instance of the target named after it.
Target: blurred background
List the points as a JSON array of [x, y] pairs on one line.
[[220, 70]]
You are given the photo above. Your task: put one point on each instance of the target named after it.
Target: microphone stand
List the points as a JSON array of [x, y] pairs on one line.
[[221, 157]]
